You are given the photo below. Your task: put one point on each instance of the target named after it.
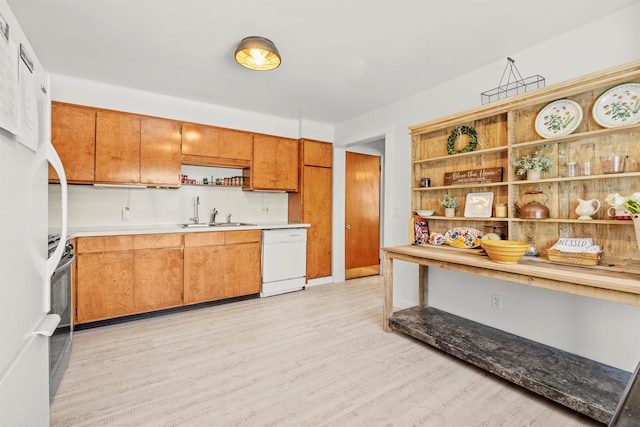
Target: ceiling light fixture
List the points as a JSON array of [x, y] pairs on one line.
[[257, 53]]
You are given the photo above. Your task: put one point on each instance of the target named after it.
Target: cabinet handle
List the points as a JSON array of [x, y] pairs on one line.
[[347, 227]]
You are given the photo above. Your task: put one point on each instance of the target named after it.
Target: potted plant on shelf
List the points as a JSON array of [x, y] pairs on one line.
[[450, 204], [534, 164]]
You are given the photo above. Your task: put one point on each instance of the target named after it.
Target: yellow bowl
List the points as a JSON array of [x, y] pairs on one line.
[[505, 251]]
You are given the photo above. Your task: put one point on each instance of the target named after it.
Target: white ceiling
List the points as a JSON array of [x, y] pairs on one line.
[[340, 58]]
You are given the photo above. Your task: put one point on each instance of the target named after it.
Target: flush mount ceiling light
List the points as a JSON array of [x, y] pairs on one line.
[[257, 53]]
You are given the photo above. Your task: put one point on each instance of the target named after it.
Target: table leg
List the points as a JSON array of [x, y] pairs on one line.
[[423, 285], [387, 308]]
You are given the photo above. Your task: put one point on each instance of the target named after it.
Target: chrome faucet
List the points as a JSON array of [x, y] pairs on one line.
[[196, 203], [214, 212]]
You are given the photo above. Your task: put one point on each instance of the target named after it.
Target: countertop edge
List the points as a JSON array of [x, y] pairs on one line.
[[74, 232]]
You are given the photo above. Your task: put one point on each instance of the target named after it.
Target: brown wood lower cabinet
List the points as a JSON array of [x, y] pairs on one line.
[[203, 267], [242, 270], [122, 275], [158, 271], [220, 265], [105, 277]]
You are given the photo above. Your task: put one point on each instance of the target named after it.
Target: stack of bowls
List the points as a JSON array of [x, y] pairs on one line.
[[505, 251]]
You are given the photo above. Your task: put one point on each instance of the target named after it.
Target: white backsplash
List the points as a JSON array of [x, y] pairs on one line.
[[102, 206]]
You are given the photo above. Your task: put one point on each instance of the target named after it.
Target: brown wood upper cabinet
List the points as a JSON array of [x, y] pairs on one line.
[[111, 147], [275, 164], [73, 134], [132, 149], [160, 152], [213, 146], [117, 148]]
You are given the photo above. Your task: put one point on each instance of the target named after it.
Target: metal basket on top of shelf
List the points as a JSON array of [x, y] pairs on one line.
[[512, 87]]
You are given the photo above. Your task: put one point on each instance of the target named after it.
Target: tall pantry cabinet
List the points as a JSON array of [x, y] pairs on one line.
[[312, 204]]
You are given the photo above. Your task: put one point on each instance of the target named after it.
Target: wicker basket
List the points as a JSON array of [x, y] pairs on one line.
[[580, 258]]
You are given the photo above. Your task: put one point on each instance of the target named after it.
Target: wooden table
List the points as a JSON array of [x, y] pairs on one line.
[[586, 386], [603, 282]]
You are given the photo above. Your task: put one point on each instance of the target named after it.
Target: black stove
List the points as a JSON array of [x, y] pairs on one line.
[[52, 242], [61, 304]]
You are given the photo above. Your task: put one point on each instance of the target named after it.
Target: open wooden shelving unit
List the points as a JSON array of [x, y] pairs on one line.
[[506, 132]]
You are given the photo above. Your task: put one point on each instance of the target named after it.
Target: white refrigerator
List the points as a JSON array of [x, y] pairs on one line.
[[24, 269]]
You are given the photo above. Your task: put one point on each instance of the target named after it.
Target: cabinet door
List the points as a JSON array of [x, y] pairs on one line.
[[73, 134], [275, 163], [160, 152], [200, 140], [117, 148], [317, 211], [235, 144], [242, 269], [203, 273], [105, 285], [287, 164], [158, 279], [317, 153]]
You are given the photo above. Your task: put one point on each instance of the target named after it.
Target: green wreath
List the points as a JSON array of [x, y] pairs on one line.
[[462, 130]]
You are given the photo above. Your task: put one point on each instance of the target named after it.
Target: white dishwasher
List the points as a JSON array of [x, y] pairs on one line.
[[284, 260]]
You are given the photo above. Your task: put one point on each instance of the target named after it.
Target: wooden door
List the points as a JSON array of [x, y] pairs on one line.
[[235, 144], [287, 164], [105, 285], [117, 148], [158, 271], [317, 193], [242, 269], [362, 215], [203, 274], [160, 152], [200, 140], [263, 169], [275, 163], [203, 267], [73, 134], [243, 261]]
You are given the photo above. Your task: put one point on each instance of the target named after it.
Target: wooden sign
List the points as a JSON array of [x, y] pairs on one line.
[[475, 176]]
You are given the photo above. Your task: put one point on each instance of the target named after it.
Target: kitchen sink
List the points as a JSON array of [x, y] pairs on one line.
[[193, 225], [215, 224]]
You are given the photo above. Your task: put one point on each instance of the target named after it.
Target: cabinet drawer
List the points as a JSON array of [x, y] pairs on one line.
[[244, 236], [204, 239], [104, 244], [156, 241]]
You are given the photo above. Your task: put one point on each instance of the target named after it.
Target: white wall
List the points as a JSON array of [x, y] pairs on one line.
[[90, 206], [597, 329]]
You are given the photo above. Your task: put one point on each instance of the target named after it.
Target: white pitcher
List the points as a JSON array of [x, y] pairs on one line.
[[587, 208]]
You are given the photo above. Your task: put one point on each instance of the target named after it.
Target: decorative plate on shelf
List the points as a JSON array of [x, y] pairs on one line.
[[559, 118], [478, 205], [463, 237], [618, 106]]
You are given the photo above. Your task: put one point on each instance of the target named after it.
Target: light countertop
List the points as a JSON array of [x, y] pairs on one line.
[[117, 230]]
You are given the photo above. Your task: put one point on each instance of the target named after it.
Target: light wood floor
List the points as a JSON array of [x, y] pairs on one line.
[[311, 358]]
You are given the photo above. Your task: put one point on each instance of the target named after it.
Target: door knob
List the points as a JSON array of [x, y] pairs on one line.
[[347, 227]]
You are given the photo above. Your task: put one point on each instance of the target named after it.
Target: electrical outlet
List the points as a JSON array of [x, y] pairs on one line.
[[126, 213], [496, 302]]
